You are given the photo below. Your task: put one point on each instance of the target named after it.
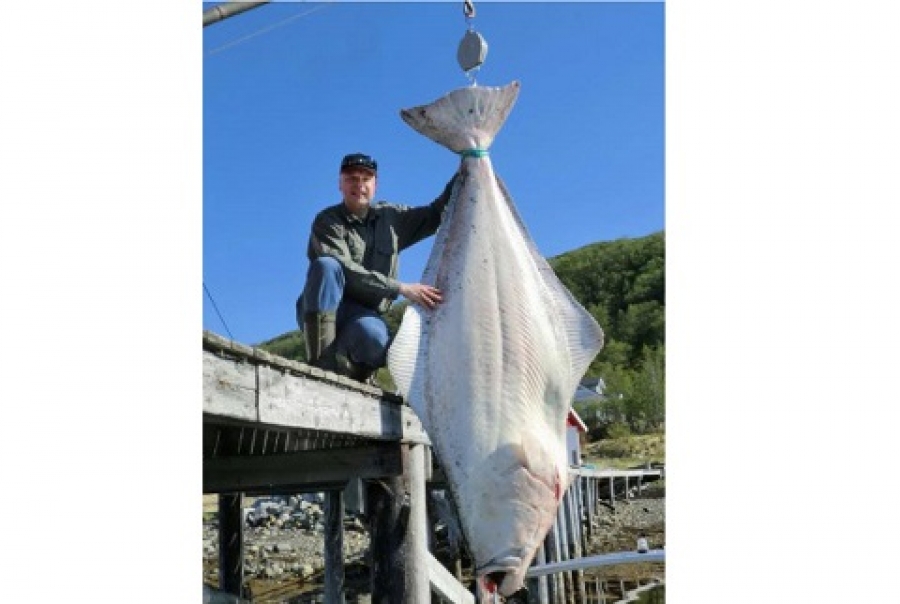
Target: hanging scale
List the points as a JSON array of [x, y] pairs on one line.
[[473, 48]]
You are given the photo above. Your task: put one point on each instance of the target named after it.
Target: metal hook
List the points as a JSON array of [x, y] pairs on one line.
[[469, 9]]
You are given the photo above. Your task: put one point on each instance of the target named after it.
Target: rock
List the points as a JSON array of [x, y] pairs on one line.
[[354, 524], [271, 554]]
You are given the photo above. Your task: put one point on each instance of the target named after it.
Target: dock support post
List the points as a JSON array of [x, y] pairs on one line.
[[575, 542], [584, 517], [417, 581], [589, 503], [551, 554], [334, 547], [231, 543], [561, 529], [399, 545], [537, 586]]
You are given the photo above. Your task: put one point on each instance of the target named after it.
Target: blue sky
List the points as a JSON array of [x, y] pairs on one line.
[[289, 88]]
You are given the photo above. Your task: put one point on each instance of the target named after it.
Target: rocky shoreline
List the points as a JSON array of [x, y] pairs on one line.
[[284, 561]]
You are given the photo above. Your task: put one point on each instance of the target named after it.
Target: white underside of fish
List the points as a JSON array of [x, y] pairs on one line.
[[492, 371]]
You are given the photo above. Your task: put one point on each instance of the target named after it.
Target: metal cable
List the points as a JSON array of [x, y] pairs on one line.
[[266, 29], [222, 319]]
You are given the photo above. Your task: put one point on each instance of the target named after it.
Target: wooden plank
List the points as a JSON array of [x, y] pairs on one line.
[[445, 585], [388, 519], [588, 485], [298, 401], [576, 537], [551, 549], [562, 535], [238, 384], [231, 543], [537, 586], [416, 539], [229, 387], [334, 548], [399, 546], [246, 473], [240, 352]]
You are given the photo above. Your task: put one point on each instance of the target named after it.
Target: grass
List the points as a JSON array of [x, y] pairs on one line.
[[626, 451]]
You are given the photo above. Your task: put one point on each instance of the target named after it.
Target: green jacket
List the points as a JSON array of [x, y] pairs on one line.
[[368, 249]]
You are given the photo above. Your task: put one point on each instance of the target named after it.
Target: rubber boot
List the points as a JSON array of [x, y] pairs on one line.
[[361, 373], [319, 333], [354, 371]]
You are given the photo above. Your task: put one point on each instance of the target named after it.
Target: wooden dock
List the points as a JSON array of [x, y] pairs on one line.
[[271, 425]]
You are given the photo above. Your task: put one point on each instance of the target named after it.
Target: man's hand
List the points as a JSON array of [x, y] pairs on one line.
[[422, 294]]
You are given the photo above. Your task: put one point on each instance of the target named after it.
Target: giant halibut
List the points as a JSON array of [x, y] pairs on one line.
[[492, 371]]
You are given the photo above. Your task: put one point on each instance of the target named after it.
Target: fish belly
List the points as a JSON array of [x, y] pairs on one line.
[[492, 370], [494, 377]]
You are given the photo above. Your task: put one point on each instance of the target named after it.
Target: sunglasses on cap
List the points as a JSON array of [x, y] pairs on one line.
[[359, 160]]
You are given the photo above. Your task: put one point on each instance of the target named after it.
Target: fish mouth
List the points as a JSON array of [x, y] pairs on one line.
[[504, 574]]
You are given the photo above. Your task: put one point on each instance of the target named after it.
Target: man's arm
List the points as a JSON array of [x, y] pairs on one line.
[[418, 223]]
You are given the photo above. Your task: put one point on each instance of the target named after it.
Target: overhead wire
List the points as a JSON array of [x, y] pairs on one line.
[[216, 308], [232, 44], [268, 29]]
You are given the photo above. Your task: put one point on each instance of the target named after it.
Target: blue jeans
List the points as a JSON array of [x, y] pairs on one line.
[[362, 335]]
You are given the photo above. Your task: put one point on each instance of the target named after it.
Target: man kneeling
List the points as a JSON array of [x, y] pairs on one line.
[[352, 278]]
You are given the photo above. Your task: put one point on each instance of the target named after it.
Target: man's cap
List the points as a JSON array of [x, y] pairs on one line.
[[359, 160]]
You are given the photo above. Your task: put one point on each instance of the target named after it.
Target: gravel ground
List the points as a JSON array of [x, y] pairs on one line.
[[618, 530], [285, 565]]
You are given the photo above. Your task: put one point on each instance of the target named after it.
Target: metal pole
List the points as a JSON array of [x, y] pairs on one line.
[[227, 9]]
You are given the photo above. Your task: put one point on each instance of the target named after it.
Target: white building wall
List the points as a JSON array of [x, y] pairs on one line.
[[573, 446]]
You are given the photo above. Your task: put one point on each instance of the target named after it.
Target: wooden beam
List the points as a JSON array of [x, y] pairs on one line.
[[290, 400], [292, 395], [445, 584], [416, 538], [334, 547], [551, 550], [231, 543], [229, 387], [399, 547], [324, 466], [388, 518], [537, 586]]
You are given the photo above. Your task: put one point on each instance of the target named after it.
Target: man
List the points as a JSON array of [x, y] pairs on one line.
[[352, 278]]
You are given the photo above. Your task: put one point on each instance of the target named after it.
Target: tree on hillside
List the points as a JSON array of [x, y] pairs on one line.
[[622, 284], [647, 399]]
